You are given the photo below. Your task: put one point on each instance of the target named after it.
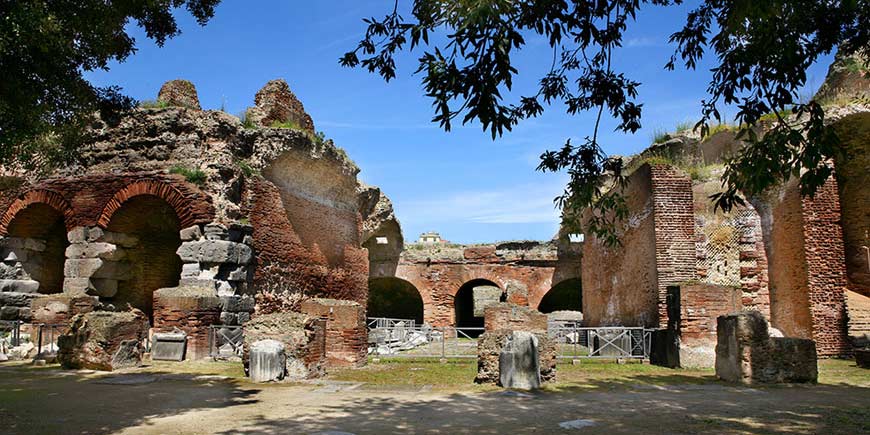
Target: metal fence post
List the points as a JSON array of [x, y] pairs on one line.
[[443, 346]]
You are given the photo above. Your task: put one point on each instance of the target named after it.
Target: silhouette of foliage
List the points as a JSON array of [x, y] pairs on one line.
[[763, 50]]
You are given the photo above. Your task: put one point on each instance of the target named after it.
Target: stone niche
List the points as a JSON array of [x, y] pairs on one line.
[[346, 333], [104, 340], [189, 309], [499, 342], [303, 341], [745, 353]]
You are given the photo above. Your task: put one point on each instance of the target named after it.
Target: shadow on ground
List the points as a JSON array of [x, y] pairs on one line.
[[48, 400], [648, 404]]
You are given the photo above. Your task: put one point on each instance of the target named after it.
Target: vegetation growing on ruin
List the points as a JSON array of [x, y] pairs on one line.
[[192, 175], [153, 104], [247, 170], [660, 136]]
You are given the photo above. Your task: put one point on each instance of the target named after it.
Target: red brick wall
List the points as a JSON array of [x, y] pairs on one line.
[[88, 196], [826, 269], [700, 305], [191, 315], [308, 264], [346, 333], [674, 231], [438, 284]]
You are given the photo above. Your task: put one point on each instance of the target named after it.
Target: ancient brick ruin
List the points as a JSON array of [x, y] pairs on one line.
[[188, 216]]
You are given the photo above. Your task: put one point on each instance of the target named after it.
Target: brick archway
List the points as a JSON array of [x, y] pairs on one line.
[[164, 191], [38, 196]]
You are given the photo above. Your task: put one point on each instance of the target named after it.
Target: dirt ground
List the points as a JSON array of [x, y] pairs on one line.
[[415, 397]]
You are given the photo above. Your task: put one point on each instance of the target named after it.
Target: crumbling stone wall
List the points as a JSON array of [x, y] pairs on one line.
[[346, 332], [303, 337], [221, 180], [189, 309], [745, 352]]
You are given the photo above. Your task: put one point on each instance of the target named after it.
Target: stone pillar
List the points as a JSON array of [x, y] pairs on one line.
[[190, 309], [217, 256], [95, 261], [346, 334]]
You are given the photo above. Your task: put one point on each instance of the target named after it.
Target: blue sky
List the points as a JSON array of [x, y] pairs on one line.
[[462, 183]]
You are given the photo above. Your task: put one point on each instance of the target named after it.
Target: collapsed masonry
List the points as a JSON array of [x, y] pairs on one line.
[[196, 218]]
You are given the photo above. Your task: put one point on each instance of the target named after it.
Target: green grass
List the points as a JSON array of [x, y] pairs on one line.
[[719, 128], [684, 126], [771, 117], [660, 136], [247, 170], [195, 176], [153, 104]]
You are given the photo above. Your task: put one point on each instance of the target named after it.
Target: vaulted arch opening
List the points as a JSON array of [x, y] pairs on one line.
[[564, 296], [394, 298], [35, 247], [150, 261], [468, 309]]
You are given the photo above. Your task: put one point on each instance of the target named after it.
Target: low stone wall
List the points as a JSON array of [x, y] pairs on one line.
[[190, 309], [500, 322], [104, 340], [346, 334], [746, 354], [490, 345], [303, 337]]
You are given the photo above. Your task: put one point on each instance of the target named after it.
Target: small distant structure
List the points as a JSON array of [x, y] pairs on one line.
[[431, 237]]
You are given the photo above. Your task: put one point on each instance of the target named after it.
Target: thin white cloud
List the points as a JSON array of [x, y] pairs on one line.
[[643, 41], [525, 204]]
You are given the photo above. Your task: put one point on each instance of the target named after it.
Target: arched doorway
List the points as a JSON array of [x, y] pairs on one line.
[[37, 237], [394, 298], [153, 262], [463, 306], [564, 296]]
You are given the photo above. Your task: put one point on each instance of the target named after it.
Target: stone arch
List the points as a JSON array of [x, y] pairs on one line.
[[147, 228], [34, 248], [37, 196], [165, 191], [463, 304], [394, 298], [567, 295]]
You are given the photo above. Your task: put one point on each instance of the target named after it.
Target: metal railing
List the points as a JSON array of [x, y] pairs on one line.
[[572, 342], [225, 341], [387, 322], [424, 342], [575, 342], [46, 339], [11, 330]]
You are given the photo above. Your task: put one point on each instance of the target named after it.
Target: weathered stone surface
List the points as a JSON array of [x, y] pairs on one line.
[[512, 317], [276, 103], [303, 339], [190, 233], [102, 250], [103, 340], [181, 93], [565, 316], [60, 308], [16, 299], [489, 349], [846, 81], [215, 251], [268, 361], [19, 286], [485, 296], [81, 268], [120, 239], [519, 362], [746, 353], [168, 346]]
